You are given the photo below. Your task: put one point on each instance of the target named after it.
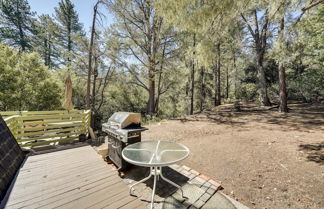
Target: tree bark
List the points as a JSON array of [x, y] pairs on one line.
[[282, 74], [50, 64], [93, 30], [202, 88], [263, 92], [259, 35], [227, 84], [151, 101], [159, 90], [217, 77], [192, 79], [69, 44], [95, 75], [235, 75]]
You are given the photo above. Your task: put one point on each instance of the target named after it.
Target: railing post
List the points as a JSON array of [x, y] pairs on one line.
[[16, 126], [87, 121], [12, 123]]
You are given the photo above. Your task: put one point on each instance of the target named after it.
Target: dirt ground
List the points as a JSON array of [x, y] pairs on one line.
[[263, 158]]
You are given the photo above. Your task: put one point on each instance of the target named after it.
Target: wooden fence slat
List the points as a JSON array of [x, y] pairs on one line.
[[39, 112], [50, 127], [41, 117], [44, 122], [9, 113], [50, 136], [21, 125], [78, 128], [50, 112], [48, 142]]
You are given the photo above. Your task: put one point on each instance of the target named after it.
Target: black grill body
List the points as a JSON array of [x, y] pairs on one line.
[[122, 129]]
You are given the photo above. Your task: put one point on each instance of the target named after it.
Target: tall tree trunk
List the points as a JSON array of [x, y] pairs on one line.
[[93, 31], [50, 55], [217, 77], [282, 73], [227, 84], [45, 53], [22, 38], [69, 44], [93, 100], [192, 79], [157, 101], [235, 75], [95, 75], [263, 92], [151, 101], [202, 88], [259, 34]]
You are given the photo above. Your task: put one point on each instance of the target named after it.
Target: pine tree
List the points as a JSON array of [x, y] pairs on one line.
[[69, 29], [143, 36], [16, 23], [46, 40]]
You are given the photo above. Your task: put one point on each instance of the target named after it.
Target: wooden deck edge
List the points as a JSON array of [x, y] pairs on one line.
[[59, 148]]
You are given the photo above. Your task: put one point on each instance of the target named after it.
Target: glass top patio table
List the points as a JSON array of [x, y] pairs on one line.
[[155, 153]]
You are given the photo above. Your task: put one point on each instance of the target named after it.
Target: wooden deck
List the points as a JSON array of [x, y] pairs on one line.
[[74, 178]]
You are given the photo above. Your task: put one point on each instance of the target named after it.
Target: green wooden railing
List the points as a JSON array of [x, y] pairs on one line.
[[47, 127]]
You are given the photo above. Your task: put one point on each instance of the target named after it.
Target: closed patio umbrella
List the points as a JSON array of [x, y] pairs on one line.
[[67, 104]]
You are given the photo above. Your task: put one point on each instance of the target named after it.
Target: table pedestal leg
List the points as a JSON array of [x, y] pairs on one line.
[[146, 178], [171, 182], [154, 186], [156, 172]]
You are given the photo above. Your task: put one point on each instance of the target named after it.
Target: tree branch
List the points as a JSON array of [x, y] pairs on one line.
[[249, 26], [312, 5]]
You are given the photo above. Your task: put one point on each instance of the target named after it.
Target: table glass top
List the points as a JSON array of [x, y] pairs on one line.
[[155, 153]]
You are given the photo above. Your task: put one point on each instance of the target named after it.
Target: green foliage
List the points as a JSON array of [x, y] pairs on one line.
[[26, 83], [16, 23], [45, 42], [247, 91], [311, 37], [306, 74], [70, 29], [152, 47], [123, 96], [47, 97], [307, 86]]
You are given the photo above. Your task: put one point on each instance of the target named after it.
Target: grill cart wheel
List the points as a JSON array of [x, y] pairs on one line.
[[121, 174], [108, 160]]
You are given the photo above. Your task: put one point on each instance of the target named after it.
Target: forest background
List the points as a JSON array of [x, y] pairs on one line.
[[162, 58]]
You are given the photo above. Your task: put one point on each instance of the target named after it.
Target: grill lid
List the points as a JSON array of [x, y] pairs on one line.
[[124, 119]]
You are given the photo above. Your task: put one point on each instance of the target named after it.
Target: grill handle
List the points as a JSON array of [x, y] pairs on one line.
[[112, 145], [115, 147]]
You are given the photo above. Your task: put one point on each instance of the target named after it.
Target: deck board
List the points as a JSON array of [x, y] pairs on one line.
[[74, 178]]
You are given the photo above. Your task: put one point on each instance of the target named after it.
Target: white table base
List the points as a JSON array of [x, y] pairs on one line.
[[156, 172]]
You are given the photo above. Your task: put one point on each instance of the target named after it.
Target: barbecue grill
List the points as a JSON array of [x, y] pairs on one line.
[[122, 128]]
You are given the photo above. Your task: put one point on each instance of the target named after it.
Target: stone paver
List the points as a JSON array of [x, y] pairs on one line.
[[191, 192], [205, 197], [201, 191], [199, 203], [211, 190], [222, 201], [218, 201], [172, 203]]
